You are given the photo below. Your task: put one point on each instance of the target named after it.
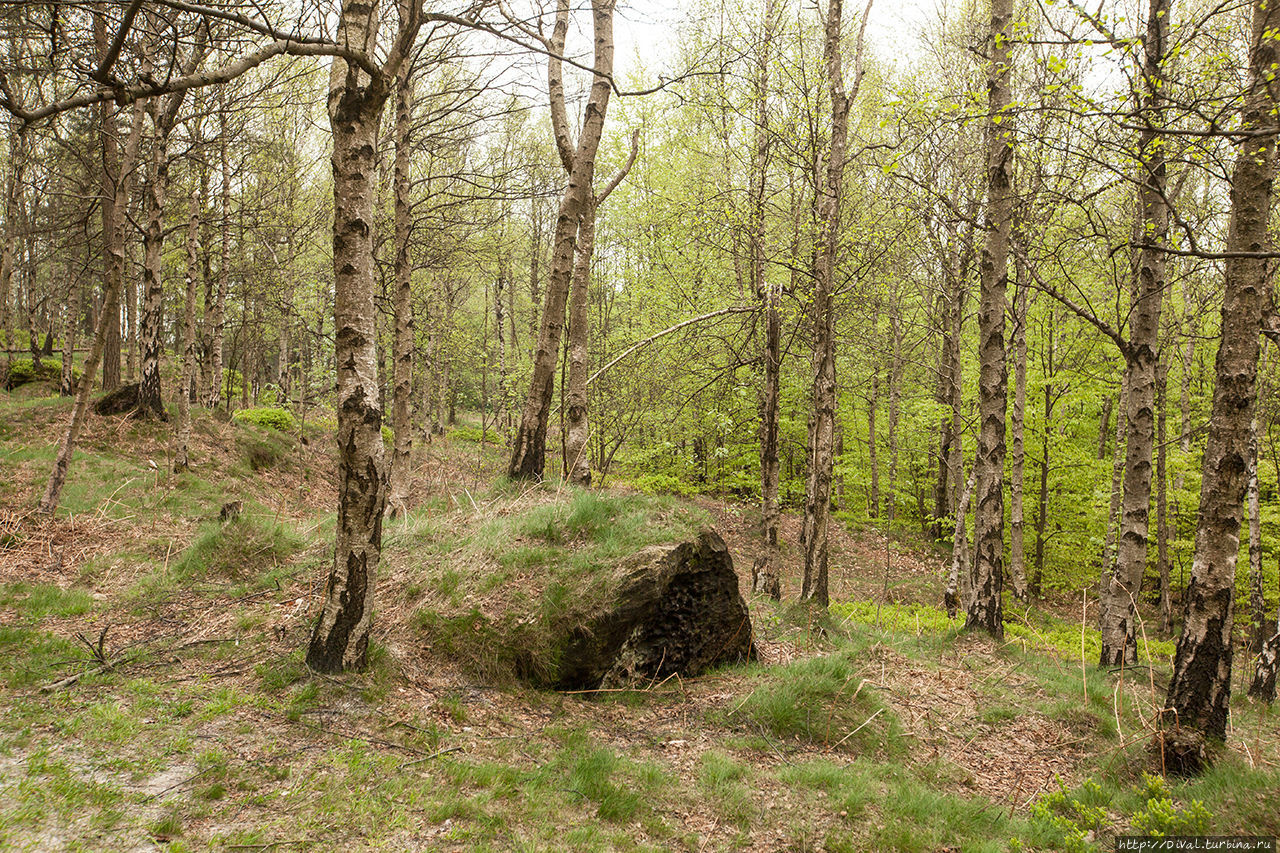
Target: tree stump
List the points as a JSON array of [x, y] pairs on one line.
[[676, 609], [120, 401]]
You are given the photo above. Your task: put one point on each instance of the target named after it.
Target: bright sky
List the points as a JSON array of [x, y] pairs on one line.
[[648, 28]]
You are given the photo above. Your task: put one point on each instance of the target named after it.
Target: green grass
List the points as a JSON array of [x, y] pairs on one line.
[[248, 548], [36, 601], [1035, 630], [820, 700]]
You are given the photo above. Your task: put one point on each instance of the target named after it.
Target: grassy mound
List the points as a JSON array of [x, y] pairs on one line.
[[248, 547], [503, 598]]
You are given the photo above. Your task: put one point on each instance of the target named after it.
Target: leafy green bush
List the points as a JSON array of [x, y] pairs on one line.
[[24, 370], [474, 434], [279, 419], [655, 484]]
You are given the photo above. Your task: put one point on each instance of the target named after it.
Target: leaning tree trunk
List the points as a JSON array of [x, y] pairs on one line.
[[1119, 611], [340, 640], [1200, 690], [402, 345], [528, 453], [984, 606], [182, 456], [112, 201]]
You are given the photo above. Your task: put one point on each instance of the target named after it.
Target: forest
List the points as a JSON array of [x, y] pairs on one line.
[[584, 424]]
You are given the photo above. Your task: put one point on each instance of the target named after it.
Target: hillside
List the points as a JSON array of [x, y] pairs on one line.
[[154, 696]]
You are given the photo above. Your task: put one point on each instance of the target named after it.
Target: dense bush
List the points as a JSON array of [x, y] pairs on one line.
[[24, 370], [280, 419]]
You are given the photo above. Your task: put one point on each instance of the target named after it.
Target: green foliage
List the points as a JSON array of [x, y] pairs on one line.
[[663, 484], [277, 419], [1160, 817], [25, 370], [474, 435]]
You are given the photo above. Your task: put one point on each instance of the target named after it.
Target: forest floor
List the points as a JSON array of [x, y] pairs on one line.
[[153, 695]]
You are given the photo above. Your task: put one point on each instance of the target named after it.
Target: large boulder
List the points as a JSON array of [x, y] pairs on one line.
[[674, 609]]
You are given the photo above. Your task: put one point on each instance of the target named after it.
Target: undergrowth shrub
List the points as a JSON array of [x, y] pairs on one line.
[[278, 419], [1160, 817], [474, 434], [24, 370]]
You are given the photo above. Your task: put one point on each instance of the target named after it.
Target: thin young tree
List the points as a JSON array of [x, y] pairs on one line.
[[821, 461]]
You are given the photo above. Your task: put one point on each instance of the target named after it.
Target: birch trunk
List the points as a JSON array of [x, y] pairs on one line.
[[1162, 499], [13, 204], [577, 463], [402, 345], [528, 455], [1200, 690], [340, 640], [1260, 629], [1119, 628], [1017, 450], [984, 610], [182, 456], [766, 578], [959, 551], [217, 319], [817, 499]]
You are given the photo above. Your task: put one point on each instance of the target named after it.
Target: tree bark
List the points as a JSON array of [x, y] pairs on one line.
[[528, 455], [1162, 498], [873, 460], [766, 579], [817, 499], [340, 640], [577, 463], [1119, 609], [12, 215], [1260, 630], [402, 345], [71, 323], [1017, 556], [216, 320], [984, 610], [959, 551], [1200, 690], [182, 456]]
